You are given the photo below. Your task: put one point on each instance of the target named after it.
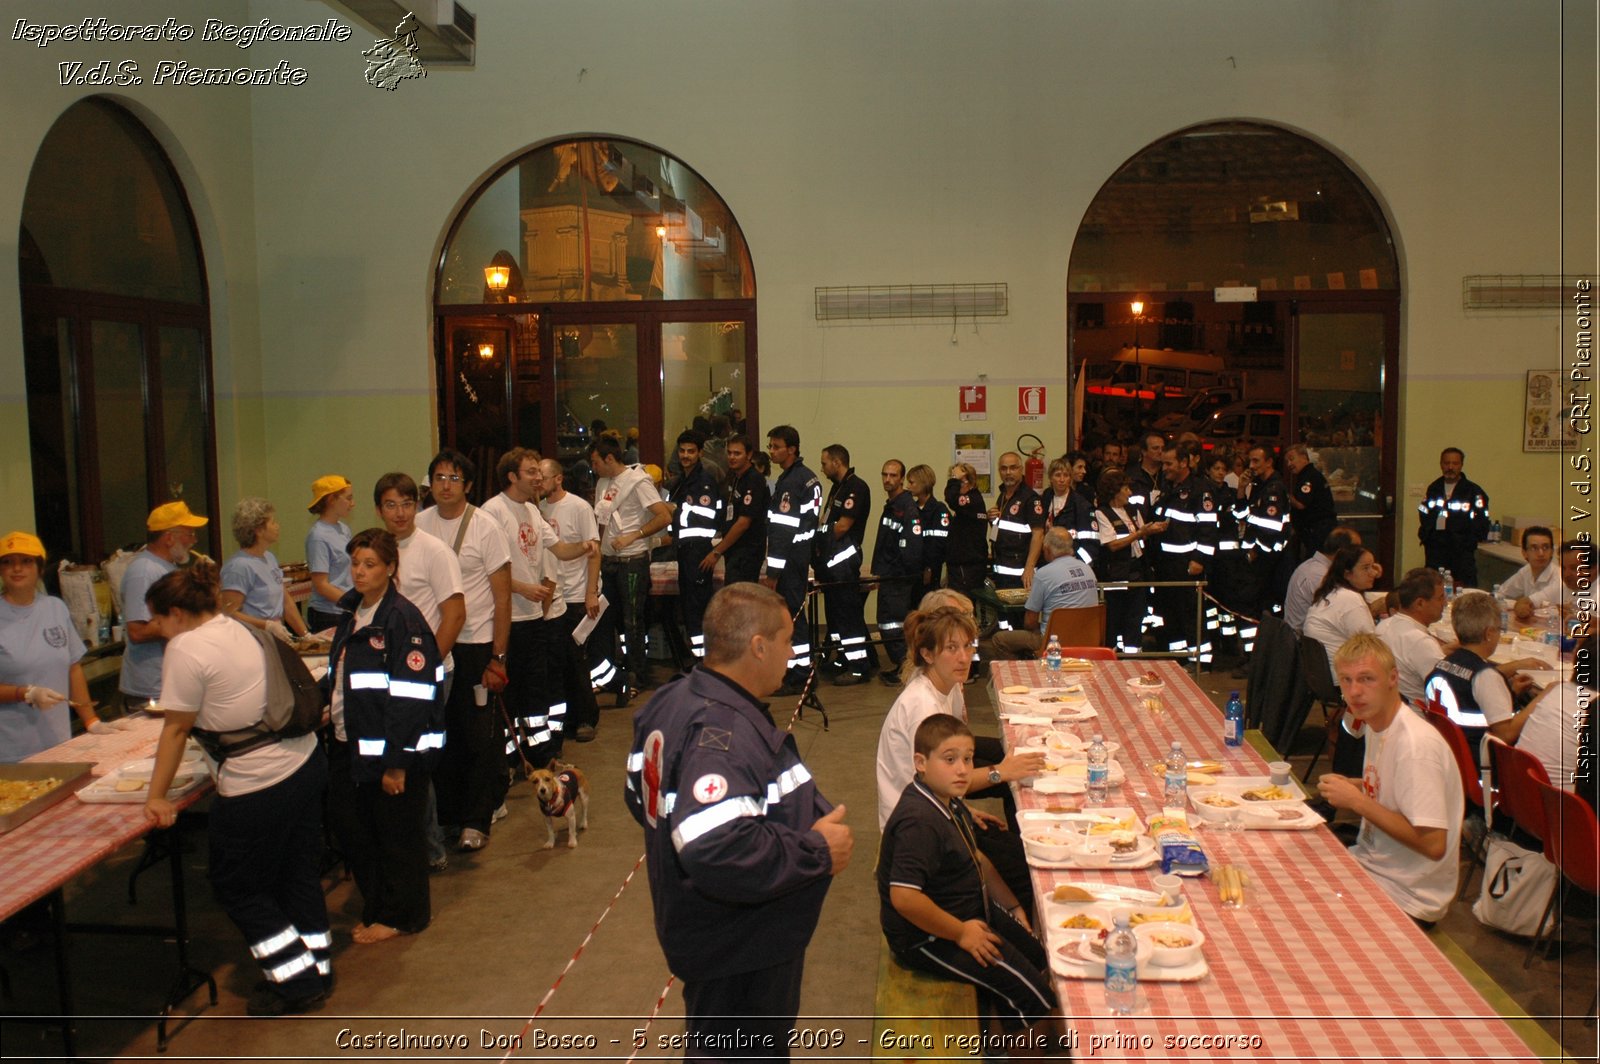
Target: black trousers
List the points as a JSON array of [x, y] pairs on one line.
[[755, 1010], [535, 694], [741, 567], [894, 602], [1456, 551], [847, 615], [385, 842], [264, 850], [472, 766], [1124, 616], [694, 591], [626, 582], [792, 586], [573, 662], [1018, 984], [1175, 605]]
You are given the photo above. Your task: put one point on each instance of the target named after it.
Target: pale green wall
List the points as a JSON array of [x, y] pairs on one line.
[[896, 141]]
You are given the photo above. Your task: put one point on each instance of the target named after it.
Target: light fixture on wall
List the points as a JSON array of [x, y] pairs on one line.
[[486, 352], [497, 277], [1138, 371]]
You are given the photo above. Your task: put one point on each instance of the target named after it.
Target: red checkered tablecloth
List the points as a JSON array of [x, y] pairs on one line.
[[1320, 965], [72, 836]]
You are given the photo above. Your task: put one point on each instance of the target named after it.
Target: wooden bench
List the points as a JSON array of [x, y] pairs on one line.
[[921, 1017]]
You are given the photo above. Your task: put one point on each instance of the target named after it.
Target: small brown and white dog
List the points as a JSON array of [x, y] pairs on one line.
[[563, 795]]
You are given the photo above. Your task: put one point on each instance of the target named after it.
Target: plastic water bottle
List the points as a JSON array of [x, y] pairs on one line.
[[1505, 612], [1494, 532], [1099, 772], [1449, 585], [1052, 659], [1177, 778], [1232, 722], [1122, 967]]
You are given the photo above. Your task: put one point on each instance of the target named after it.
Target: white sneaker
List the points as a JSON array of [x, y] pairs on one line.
[[500, 814]]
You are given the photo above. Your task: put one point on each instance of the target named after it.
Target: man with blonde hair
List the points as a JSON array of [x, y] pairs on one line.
[[1409, 794]]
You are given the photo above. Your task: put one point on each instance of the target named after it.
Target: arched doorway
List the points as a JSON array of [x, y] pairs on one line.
[[593, 282], [1269, 299], [116, 336]]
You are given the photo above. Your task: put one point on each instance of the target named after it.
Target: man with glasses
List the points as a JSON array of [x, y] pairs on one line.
[[171, 534], [471, 778], [430, 578], [1538, 577], [1018, 520]]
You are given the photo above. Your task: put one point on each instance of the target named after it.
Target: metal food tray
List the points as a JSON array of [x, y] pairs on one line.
[[73, 775]]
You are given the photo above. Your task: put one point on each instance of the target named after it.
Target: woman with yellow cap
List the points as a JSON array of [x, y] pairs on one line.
[[39, 655], [332, 499]]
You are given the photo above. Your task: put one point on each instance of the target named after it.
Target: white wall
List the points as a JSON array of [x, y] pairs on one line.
[[897, 141]]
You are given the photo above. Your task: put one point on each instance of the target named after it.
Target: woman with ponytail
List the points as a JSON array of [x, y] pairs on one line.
[[266, 824]]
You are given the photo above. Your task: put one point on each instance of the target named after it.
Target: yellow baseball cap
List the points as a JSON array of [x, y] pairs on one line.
[[322, 487], [22, 543], [173, 515]]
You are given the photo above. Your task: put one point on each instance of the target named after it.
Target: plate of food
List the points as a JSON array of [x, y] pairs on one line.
[[1146, 683], [1172, 945], [1267, 794], [1295, 816], [1085, 957], [1058, 741], [1105, 893], [1087, 922]]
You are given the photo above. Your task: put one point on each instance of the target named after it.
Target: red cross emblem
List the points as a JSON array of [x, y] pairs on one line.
[[651, 775], [710, 788]]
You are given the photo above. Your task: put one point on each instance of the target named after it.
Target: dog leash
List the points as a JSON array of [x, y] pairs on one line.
[[515, 732]]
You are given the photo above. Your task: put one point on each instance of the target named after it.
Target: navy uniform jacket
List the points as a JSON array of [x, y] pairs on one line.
[[1467, 512], [1076, 515], [1144, 489], [1450, 684], [851, 498], [697, 510], [935, 520], [792, 520], [1019, 516], [393, 715], [969, 525], [748, 497], [898, 549], [737, 876], [1266, 516], [1191, 535], [1315, 517]]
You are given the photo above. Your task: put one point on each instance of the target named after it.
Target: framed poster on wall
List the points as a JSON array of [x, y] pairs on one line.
[[1545, 427]]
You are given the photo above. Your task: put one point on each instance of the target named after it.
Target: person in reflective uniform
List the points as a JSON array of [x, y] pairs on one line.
[[1145, 479], [1122, 534], [387, 719], [792, 518], [1229, 574], [934, 518], [743, 545], [740, 845], [838, 561], [967, 553], [696, 519], [1066, 507], [1183, 551], [1453, 520], [1478, 694], [1017, 517], [1311, 510], [1263, 510], [897, 558]]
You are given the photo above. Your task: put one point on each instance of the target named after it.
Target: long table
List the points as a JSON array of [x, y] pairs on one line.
[[1319, 965], [42, 855]]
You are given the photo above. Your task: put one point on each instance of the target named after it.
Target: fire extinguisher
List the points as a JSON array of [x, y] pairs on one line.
[[1033, 469]]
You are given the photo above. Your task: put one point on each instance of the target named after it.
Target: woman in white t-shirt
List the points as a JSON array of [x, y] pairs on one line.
[[266, 824], [1339, 609]]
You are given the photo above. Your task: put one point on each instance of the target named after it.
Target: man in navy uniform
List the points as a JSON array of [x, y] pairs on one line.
[[1311, 511], [897, 559], [1263, 507], [1454, 520], [1018, 519], [838, 563], [696, 502], [744, 543], [741, 847], [792, 516], [1183, 550]]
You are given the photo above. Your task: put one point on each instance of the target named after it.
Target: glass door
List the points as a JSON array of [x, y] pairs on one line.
[[703, 381], [595, 365], [1345, 366]]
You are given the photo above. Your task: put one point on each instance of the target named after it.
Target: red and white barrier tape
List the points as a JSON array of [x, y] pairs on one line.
[[642, 1041]]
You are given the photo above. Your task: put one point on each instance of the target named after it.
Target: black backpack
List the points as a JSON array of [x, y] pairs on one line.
[[295, 703]]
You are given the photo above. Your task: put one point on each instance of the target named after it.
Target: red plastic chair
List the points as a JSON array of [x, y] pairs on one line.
[[1509, 769], [1088, 653], [1467, 765], [1572, 844]]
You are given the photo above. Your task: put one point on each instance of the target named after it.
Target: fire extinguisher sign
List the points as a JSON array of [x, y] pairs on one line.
[[1030, 403], [974, 402]]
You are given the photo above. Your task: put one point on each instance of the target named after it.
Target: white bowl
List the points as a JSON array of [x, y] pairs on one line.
[[1171, 956], [1048, 844], [1220, 814]]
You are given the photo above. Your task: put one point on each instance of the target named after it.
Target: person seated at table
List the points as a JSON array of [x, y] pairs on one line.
[[944, 908], [1419, 603], [252, 581], [1475, 692], [1063, 582], [265, 827], [1538, 576], [40, 655], [1409, 793], [1307, 576], [940, 641], [1577, 574], [388, 727], [1551, 731], [1339, 609]]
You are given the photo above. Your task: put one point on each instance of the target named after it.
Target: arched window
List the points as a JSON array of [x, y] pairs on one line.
[[592, 282], [1240, 281], [117, 338]]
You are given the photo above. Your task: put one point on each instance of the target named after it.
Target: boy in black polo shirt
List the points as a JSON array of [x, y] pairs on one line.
[[945, 910]]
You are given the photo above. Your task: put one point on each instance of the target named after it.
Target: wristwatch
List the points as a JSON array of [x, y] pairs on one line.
[[994, 775]]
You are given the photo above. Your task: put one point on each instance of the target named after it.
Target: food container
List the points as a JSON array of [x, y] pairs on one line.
[[1217, 807], [1048, 844], [72, 774], [1163, 938]]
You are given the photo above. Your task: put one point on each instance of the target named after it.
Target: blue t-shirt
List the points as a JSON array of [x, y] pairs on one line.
[[325, 553], [259, 580], [38, 645], [1063, 583], [141, 662]]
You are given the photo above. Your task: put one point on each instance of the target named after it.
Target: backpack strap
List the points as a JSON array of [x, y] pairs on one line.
[[461, 532]]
